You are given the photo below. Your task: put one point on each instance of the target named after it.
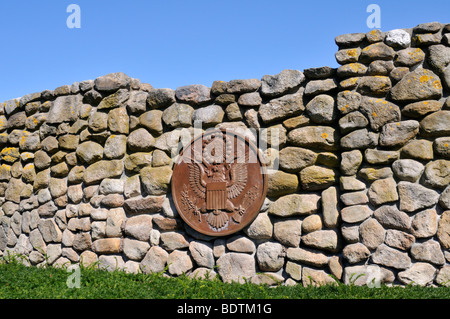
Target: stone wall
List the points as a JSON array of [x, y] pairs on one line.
[[361, 187]]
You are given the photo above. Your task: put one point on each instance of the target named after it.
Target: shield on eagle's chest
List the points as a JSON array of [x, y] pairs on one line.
[[216, 195]]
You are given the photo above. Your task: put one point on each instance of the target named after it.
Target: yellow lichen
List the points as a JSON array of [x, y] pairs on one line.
[[324, 135]]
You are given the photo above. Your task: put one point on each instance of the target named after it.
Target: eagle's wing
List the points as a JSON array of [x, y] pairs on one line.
[[196, 175], [238, 179]]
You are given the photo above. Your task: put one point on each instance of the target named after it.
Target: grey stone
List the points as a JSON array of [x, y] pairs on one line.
[[320, 86], [390, 217], [158, 98], [208, 116], [236, 267], [376, 156], [350, 162], [398, 38], [390, 257], [351, 70], [135, 249], [425, 224], [399, 133], [370, 275], [250, 99], [195, 94], [348, 101], [137, 102], [345, 56], [101, 170], [352, 121], [399, 239], [435, 124], [307, 257], [155, 260], [89, 152], [112, 82], [115, 146], [407, 169], [376, 51], [295, 204], [275, 85], [151, 120], [415, 196], [321, 109], [243, 86], [64, 109], [437, 174], [202, 253], [418, 149], [320, 137], [283, 107], [444, 199], [270, 256], [288, 232], [330, 211], [418, 85], [359, 139], [355, 253], [178, 115], [356, 213], [294, 159], [140, 140], [379, 112], [322, 239], [240, 244], [354, 198], [429, 251], [427, 27], [441, 147], [317, 177], [114, 100], [372, 233], [438, 57], [349, 39], [421, 274]]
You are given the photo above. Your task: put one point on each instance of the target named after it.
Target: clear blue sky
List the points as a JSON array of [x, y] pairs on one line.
[[170, 43]]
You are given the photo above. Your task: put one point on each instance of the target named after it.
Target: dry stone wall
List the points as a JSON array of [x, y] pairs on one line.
[[358, 191]]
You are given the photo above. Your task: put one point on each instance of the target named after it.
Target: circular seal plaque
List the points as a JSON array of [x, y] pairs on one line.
[[219, 183]]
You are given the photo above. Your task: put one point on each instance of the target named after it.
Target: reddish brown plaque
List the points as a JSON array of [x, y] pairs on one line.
[[219, 183]]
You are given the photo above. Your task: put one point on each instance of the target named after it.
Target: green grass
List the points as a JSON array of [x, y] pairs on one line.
[[20, 282]]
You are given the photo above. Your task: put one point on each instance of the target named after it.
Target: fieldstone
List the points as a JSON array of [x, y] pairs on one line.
[[355, 253], [270, 256], [68, 142], [111, 263], [236, 267], [443, 233], [438, 57], [408, 170], [316, 278], [115, 146], [202, 253], [208, 116], [322, 239], [118, 121], [350, 162], [421, 274], [359, 139], [444, 199], [283, 107], [351, 183], [383, 191], [354, 198], [156, 180], [317, 177], [107, 245], [372, 233], [173, 240], [89, 152], [179, 262], [294, 159], [441, 147], [154, 261], [49, 230], [140, 140], [178, 115], [352, 121], [415, 196], [398, 73], [399, 239], [114, 100], [149, 205], [275, 85], [390, 257], [233, 112], [116, 216], [443, 277], [351, 69], [398, 38], [311, 223], [379, 112], [288, 232], [429, 251], [345, 56], [281, 183], [370, 174], [350, 233], [376, 51], [420, 84], [112, 82], [399, 133], [137, 102], [260, 228], [349, 39], [348, 101], [418, 149], [320, 86], [135, 249], [307, 257], [371, 275], [101, 170], [437, 174], [64, 109], [424, 224], [355, 213], [377, 85], [428, 27], [409, 57], [380, 68], [151, 120], [320, 137], [321, 109], [159, 98], [319, 72], [295, 204], [250, 99], [436, 124], [195, 94], [240, 244], [242, 86], [419, 109], [330, 212], [375, 156]]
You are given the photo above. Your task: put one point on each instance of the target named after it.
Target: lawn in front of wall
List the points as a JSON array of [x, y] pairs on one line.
[[21, 282]]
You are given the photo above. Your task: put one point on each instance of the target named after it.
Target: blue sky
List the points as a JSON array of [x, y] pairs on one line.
[[171, 43]]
